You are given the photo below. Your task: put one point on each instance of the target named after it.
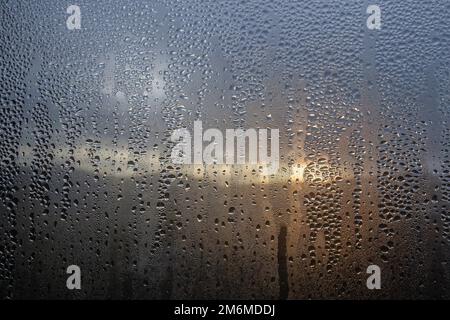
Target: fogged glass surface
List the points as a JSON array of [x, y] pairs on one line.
[[87, 178]]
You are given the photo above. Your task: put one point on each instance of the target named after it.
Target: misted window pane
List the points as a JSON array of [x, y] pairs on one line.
[[224, 149]]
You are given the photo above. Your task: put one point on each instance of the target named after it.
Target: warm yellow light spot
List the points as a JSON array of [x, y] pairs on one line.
[[298, 172]]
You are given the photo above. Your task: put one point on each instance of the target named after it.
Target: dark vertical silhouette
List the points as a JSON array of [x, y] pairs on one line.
[[282, 264]]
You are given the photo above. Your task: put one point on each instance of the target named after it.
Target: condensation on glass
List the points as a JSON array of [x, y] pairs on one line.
[[86, 176]]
